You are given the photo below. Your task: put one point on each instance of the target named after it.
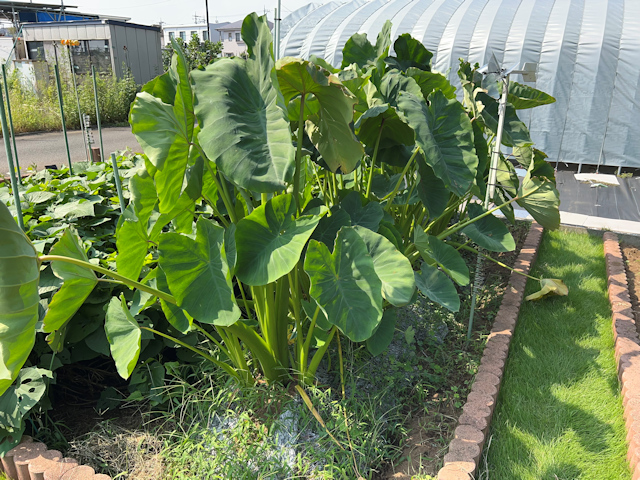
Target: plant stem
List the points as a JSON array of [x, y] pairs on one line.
[[488, 257], [197, 351], [392, 195], [296, 177], [373, 159], [461, 225], [315, 361], [127, 281], [222, 191]]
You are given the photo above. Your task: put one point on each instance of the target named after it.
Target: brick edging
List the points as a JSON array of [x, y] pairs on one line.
[[32, 461], [465, 449], [627, 347]]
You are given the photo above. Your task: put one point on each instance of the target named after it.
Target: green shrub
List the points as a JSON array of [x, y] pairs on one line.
[[33, 112]]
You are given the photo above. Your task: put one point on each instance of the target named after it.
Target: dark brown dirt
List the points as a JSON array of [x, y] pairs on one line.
[[631, 257]]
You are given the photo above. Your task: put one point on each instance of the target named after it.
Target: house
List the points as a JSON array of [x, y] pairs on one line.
[[108, 43], [186, 31], [232, 44]]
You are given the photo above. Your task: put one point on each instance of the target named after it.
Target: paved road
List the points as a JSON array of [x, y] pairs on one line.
[[48, 148]]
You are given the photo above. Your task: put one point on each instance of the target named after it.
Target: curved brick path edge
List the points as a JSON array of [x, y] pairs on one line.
[[465, 449], [32, 461]]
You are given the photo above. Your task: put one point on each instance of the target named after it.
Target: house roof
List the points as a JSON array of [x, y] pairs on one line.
[[237, 26]]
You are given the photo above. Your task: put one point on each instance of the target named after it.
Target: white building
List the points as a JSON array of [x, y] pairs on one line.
[[232, 43], [186, 31]]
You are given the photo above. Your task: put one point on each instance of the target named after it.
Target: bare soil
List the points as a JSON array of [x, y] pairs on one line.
[[631, 256]]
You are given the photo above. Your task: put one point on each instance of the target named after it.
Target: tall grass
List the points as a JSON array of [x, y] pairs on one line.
[[33, 112]]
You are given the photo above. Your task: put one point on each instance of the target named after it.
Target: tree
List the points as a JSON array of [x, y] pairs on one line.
[[198, 54]]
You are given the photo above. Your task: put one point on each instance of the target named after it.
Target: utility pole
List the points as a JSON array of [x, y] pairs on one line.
[[206, 6]]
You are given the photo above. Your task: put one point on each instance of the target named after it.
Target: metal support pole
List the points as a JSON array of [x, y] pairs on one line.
[[75, 89], [491, 187], [13, 136], [277, 24], [95, 96], [116, 177], [206, 8], [64, 123], [12, 172]]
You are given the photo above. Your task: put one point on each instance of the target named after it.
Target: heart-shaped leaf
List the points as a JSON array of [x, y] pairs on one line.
[[19, 274], [78, 283], [270, 240], [410, 53], [329, 129], [445, 135], [541, 199], [436, 286], [488, 232], [241, 113], [124, 335], [345, 284], [383, 336], [436, 252], [391, 266], [524, 96], [198, 275], [550, 286], [368, 216]]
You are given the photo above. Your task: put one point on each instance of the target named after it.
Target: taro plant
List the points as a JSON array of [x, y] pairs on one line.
[[283, 204]]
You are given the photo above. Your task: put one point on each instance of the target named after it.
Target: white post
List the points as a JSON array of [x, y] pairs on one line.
[[495, 154]]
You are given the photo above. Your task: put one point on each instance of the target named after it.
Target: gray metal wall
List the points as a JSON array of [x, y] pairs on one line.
[[143, 54], [588, 52]]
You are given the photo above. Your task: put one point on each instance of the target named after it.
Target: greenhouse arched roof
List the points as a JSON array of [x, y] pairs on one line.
[[587, 51]]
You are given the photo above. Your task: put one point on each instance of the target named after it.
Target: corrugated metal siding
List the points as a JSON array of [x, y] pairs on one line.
[[588, 55]]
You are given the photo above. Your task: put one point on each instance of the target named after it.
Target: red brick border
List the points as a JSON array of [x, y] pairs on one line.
[[627, 347], [466, 448], [32, 461]]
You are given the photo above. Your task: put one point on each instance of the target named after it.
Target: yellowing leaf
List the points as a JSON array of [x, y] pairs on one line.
[[550, 286]]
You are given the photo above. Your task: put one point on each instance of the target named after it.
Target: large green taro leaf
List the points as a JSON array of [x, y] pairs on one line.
[[515, 132], [383, 336], [241, 113], [391, 266], [436, 252], [270, 240], [328, 227], [165, 129], [444, 133], [431, 190], [345, 284], [541, 199], [436, 286], [391, 86], [368, 216], [78, 283], [124, 336], [329, 129], [524, 96], [410, 53], [488, 232], [19, 274], [175, 315], [359, 50], [430, 81], [382, 121], [198, 275]]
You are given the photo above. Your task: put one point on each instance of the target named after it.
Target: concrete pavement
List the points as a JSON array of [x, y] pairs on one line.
[[48, 148]]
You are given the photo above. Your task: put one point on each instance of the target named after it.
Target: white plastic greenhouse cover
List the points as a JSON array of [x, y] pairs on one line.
[[587, 51]]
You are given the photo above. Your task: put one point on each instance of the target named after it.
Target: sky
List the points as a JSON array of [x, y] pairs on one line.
[[182, 11]]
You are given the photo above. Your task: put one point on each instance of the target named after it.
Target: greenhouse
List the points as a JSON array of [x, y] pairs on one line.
[[587, 53]]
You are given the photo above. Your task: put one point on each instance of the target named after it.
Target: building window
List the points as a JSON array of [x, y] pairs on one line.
[[205, 35], [36, 50], [183, 35], [193, 32], [91, 52], [237, 37], [230, 36], [172, 35]]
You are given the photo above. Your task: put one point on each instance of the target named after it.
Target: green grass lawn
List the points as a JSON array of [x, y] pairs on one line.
[[559, 414]]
